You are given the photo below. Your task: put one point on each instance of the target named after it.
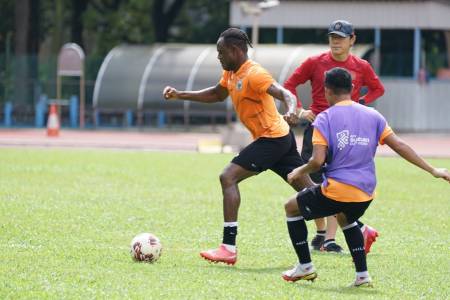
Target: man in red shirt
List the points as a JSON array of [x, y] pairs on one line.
[[341, 38]]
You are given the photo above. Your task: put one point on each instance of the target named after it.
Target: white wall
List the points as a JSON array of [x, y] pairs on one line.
[[410, 106], [363, 14]]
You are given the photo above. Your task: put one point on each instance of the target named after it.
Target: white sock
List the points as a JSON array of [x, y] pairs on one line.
[[364, 274], [331, 241], [293, 219], [230, 224], [350, 226], [230, 248], [304, 267]]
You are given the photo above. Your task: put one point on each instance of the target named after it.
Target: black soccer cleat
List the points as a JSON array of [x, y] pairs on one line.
[[317, 242], [332, 247]]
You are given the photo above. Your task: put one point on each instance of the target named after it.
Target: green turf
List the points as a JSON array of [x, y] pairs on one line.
[[67, 218]]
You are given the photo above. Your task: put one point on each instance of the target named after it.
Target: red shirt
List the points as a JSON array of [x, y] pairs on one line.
[[314, 69]]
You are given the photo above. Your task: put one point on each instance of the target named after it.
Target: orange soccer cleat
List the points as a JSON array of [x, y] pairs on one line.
[[370, 236], [221, 254]]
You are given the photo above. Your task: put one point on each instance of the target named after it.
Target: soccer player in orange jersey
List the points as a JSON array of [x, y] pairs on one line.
[[252, 90]]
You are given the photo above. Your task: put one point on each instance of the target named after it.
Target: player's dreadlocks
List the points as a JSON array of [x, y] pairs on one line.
[[236, 37]]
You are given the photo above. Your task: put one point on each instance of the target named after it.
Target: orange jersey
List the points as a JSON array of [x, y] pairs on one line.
[[254, 106], [340, 191]]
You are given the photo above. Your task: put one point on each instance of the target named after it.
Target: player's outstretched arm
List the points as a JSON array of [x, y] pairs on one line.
[[405, 151], [212, 94]]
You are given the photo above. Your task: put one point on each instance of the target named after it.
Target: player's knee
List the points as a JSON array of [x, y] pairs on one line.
[[226, 179], [291, 207], [287, 207], [342, 220]]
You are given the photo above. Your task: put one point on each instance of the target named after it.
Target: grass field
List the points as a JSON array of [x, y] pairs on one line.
[[67, 218]]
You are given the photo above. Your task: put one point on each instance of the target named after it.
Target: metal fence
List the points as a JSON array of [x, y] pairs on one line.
[[408, 105]]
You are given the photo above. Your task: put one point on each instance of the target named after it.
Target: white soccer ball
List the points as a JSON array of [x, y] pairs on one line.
[[146, 247]]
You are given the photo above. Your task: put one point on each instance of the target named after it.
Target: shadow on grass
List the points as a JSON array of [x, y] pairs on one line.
[[262, 270], [343, 290], [345, 255], [246, 270], [331, 254]]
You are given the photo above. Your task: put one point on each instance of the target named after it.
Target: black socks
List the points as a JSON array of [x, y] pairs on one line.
[[355, 242], [299, 235], [229, 235]]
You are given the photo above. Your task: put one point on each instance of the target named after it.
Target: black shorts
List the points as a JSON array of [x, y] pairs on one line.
[[277, 154], [313, 204]]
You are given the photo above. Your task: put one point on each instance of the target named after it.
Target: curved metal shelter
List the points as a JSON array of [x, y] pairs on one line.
[[133, 77]]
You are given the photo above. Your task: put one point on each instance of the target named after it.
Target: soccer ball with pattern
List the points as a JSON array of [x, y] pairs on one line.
[[146, 247]]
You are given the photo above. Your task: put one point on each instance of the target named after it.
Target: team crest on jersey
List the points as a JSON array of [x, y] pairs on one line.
[[239, 85]]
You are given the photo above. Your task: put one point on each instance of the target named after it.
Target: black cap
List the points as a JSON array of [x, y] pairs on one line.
[[341, 27]]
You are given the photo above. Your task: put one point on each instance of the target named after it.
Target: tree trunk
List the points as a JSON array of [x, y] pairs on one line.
[[33, 49], [163, 16], [79, 7], [22, 13], [447, 42]]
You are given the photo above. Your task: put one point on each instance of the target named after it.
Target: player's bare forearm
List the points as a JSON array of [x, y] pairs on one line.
[[313, 165], [405, 151], [291, 86], [209, 95], [282, 94], [303, 171]]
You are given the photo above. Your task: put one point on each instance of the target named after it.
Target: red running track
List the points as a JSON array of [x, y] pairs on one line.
[[427, 145]]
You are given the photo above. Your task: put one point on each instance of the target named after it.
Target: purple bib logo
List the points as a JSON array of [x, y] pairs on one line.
[[342, 137]]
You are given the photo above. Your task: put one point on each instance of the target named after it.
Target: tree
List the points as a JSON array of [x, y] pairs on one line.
[[78, 9], [109, 23], [22, 25], [201, 21], [6, 46], [163, 15]]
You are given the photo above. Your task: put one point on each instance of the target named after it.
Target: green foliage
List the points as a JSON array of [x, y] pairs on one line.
[[434, 47], [201, 21], [101, 25], [109, 26], [6, 22], [67, 218], [6, 82]]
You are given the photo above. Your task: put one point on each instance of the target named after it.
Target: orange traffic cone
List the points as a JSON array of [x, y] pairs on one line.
[[53, 122]]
